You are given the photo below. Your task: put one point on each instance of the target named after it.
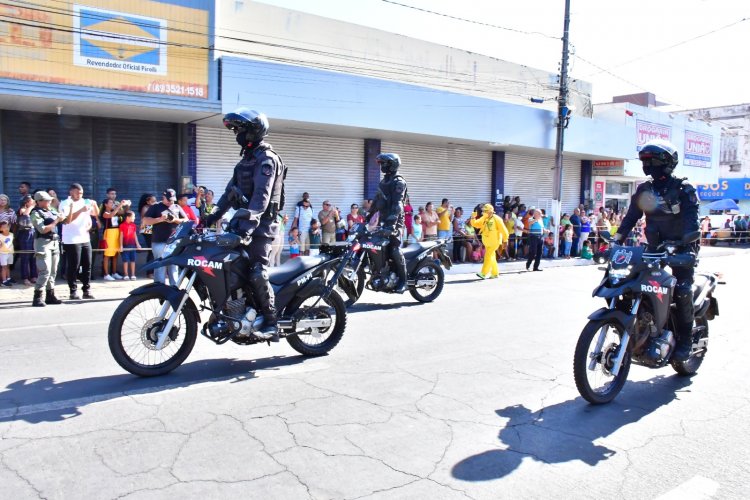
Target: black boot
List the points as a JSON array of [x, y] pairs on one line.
[[51, 299], [683, 348], [37, 299], [400, 267], [265, 300]]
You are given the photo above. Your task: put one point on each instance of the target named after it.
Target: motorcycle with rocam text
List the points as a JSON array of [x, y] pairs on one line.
[[154, 329], [638, 326]]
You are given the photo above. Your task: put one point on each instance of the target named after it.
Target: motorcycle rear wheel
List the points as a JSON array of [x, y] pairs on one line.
[[309, 343], [689, 367], [132, 336], [428, 269], [606, 391]]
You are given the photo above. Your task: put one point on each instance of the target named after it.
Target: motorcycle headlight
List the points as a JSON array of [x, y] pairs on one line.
[[170, 248], [615, 275]]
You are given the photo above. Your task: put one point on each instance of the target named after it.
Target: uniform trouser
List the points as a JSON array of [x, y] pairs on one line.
[[47, 253], [535, 251], [397, 257], [259, 252], [489, 267], [683, 299], [78, 257]]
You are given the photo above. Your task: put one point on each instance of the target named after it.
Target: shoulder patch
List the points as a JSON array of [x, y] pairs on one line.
[[267, 168]]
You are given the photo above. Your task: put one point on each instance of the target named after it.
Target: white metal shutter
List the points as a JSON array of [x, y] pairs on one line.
[[571, 193], [432, 173], [329, 168], [531, 178]]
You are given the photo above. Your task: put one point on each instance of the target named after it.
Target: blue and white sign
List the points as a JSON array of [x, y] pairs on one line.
[[111, 40], [735, 189]]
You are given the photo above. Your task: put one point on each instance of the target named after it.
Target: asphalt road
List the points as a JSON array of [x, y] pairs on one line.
[[471, 396]]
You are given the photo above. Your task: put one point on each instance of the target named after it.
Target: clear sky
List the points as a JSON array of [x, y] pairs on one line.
[[684, 51]]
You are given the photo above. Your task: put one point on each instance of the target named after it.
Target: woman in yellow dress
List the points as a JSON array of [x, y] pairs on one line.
[[493, 233]]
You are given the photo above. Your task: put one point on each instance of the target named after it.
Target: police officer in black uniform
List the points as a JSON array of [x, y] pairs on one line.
[[258, 187], [671, 207], [389, 202]]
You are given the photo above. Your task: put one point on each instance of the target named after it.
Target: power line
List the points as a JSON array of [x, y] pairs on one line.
[[505, 28]]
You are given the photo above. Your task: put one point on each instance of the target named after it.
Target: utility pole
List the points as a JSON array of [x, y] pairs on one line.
[[562, 122]]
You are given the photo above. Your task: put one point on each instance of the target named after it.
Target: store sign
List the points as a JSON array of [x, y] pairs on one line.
[[735, 189], [151, 46], [598, 194], [698, 148], [608, 167], [647, 131]]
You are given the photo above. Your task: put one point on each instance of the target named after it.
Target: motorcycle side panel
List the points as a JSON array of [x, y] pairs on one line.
[[657, 289], [222, 270]]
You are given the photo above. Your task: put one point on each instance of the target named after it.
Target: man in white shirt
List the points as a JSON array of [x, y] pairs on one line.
[[77, 241], [303, 215]]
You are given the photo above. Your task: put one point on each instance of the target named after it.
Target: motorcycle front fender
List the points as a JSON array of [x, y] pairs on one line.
[[171, 294], [625, 319], [445, 260], [156, 263]]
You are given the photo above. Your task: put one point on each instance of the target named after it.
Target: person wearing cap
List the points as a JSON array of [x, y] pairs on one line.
[[77, 241], [164, 217], [493, 232], [44, 220]]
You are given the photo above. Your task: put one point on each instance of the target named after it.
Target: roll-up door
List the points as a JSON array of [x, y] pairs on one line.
[[54, 151], [134, 157], [329, 168], [432, 173], [47, 151], [531, 178]]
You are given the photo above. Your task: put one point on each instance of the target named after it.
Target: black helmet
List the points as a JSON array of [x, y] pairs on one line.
[[389, 163], [659, 158], [249, 125]]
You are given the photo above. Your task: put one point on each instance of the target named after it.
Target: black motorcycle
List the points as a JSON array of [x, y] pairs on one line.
[[365, 253], [637, 326], [153, 330]]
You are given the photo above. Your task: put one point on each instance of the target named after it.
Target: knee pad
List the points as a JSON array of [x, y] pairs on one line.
[[258, 274], [683, 290]]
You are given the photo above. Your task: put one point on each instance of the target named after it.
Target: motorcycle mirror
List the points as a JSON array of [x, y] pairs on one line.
[[691, 237]]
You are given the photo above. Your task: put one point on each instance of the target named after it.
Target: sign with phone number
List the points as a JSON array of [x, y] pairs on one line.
[[178, 89]]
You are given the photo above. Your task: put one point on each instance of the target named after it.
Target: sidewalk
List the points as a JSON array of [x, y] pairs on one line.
[[116, 290]]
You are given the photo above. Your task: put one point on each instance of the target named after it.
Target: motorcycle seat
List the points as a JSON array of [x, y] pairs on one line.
[[700, 282], [292, 268], [415, 249]]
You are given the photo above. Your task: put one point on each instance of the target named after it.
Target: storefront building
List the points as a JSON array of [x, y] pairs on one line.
[[100, 92], [697, 143]]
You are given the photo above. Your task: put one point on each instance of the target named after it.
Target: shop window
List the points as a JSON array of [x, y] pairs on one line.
[[618, 188]]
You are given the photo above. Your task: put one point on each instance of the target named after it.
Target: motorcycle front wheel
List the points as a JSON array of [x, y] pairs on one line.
[[318, 341], [133, 334], [592, 365], [429, 279]]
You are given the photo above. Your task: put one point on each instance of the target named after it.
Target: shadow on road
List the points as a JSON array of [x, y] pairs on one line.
[[366, 306], [43, 400], [566, 431]]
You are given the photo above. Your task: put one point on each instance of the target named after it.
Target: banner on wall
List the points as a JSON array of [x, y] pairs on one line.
[[151, 46], [735, 189], [608, 167], [598, 194], [698, 148], [648, 131]]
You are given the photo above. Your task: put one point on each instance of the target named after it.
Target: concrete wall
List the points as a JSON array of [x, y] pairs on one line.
[[250, 29]]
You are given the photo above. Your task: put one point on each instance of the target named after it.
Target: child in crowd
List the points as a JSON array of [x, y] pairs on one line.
[[586, 252], [315, 237], [128, 244], [6, 253], [294, 243], [568, 238], [416, 232], [549, 246]]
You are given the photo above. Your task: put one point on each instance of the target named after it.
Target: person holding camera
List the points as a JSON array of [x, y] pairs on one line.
[[164, 217], [44, 220], [77, 241]]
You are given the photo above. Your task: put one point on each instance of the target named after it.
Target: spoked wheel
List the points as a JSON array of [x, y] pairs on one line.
[[429, 279], [358, 280], [321, 325], [133, 335], [595, 354], [689, 367]]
